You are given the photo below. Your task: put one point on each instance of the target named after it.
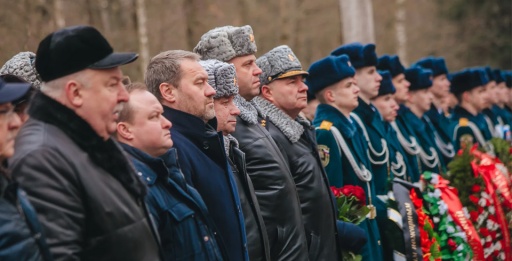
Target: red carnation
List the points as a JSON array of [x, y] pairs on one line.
[[452, 245], [474, 215], [475, 189], [473, 199]]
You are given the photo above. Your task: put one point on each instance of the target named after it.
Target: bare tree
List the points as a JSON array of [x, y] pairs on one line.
[[401, 35], [357, 21], [142, 32], [104, 14], [58, 13]]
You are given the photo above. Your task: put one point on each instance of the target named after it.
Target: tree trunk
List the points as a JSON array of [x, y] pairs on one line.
[[401, 35], [105, 17], [142, 33], [357, 21], [58, 13]]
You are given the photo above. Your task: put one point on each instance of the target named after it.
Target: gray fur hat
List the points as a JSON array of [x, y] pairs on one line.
[[227, 42], [22, 65], [222, 77], [279, 63]]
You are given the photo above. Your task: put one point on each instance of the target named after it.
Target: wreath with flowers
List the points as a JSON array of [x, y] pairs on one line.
[[474, 195], [452, 239], [429, 238]]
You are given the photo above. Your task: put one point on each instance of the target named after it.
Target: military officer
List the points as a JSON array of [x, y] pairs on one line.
[[435, 115], [342, 147], [469, 86], [504, 116], [491, 115]]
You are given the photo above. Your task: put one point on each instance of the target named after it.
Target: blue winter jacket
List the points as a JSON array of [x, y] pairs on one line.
[[203, 161], [21, 236], [180, 215]]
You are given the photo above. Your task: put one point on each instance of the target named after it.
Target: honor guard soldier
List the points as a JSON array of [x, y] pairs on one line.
[[504, 116], [405, 137], [435, 116], [469, 86], [397, 167], [418, 104], [342, 147], [491, 114]]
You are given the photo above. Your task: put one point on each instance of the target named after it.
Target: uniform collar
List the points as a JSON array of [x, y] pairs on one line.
[[248, 112], [328, 113]]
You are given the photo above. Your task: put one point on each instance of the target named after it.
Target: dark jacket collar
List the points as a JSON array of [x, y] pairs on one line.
[[365, 111], [413, 120], [328, 113], [159, 165], [106, 154], [190, 126]]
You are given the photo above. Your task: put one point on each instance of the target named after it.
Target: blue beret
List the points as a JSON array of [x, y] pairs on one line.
[[437, 65], [489, 73], [498, 76], [419, 78], [386, 85], [391, 64], [508, 78], [467, 80], [327, 71], [360, 55]]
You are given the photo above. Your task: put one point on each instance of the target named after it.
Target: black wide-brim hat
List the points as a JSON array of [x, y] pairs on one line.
[[76, 48]]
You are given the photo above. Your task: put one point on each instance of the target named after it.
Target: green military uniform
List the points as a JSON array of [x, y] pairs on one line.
[[471, 128], [429, 156], [339, 169], [442, 130], [409, 144]]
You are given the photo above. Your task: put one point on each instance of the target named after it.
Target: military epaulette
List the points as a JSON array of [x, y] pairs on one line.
[[463, 122], [325, 125]]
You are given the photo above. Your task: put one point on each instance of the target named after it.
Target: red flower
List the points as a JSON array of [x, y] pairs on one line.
[[474, 215], [356, 191], [473, 199], [451, 244], [336, 191], [475, 188]]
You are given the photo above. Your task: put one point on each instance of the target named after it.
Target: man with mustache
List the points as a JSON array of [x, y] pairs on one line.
[[180, 83], [266, 166], [88, 197]]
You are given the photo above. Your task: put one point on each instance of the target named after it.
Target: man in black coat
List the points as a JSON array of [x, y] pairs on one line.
[[266, 166], [222, 77], [87, 196], [283, 96], [181, 84]]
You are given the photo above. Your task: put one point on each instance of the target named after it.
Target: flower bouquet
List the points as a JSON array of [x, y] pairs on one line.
[[352, 208]]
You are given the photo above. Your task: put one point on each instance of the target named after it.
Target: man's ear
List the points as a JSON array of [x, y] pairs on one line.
[[329, 95], [73, 91], [168, 92], [124, 131], [266, 92]]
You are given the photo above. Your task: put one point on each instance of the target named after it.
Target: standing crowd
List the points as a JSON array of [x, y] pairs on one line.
[[220, 155]]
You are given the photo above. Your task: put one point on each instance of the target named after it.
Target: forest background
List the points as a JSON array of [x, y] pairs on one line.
[[466, 32]]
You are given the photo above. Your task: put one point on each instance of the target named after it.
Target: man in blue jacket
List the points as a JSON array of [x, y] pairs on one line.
[[181, 84], [183, 222]]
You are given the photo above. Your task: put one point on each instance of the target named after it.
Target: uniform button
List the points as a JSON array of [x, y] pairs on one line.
[[206, 145], [148, 179], [206, 238], [139, 173]]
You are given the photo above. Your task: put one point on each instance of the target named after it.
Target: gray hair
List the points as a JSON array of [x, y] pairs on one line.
[[165, 68]]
